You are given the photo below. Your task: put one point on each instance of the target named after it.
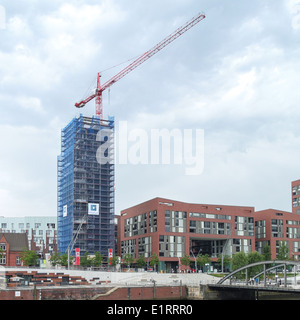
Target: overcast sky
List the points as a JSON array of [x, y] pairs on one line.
[[235, 76]]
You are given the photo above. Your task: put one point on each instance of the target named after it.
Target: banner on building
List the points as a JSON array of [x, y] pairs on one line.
[[93, 209], [77, 256], [110, 255], [65, 210]]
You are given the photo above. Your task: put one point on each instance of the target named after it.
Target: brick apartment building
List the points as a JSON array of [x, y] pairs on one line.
[[172, 229], [296, 196], [275, 227], [11, 245]]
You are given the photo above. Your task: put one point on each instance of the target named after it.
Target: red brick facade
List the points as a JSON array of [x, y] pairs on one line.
[[296, 196], [158, 222], [96, 293], [273, 227], [11, 246]]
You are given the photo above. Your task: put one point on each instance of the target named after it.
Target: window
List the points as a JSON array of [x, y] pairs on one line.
[[171, 246], [18, 261], [210, 216], [277, 228], [175, 221], [206, 224], [244, 226], [136, 225], [3, 259], [260, 229]]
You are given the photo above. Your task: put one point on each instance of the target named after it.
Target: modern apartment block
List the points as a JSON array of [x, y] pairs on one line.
[[40, 230], [296, 196], [86, 186], [275, 227], [172, 229]]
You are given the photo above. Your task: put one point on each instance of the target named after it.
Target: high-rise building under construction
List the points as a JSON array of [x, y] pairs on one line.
[[85, 181]]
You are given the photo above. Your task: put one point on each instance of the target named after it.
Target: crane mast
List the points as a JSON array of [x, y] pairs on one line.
[[144, 57]]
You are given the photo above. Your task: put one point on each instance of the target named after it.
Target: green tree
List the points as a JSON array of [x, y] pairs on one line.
[[283, 251], [185, 260], [85, 261], [141, 262], [154, 261], [114, 261], [97, 259], [239, 260], [267, 253], [253, 257], [55, 259], [202, 260], [29, 257], [128, 259], [63, 260], [226, 261]]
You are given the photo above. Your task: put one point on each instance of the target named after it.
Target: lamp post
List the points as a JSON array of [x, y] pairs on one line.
[[195, 261]]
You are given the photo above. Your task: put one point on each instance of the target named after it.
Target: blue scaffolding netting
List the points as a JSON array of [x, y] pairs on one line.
[[85, 185]]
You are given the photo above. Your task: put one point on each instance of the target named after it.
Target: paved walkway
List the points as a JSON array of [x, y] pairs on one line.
[[168, 278], [131, 278]]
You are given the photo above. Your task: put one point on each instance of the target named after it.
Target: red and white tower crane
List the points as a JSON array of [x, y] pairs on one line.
[[144, 57]]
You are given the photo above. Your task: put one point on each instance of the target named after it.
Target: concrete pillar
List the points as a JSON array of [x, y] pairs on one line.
[[285, 276]]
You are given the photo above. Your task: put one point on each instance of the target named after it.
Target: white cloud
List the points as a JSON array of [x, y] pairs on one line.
[[243, 91], [236, 77], [53, 42], [27, 169], [72, 34], [18, 27], [31, 103], [294, 9]]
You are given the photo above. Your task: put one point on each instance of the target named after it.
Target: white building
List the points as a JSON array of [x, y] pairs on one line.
[[40, 229]]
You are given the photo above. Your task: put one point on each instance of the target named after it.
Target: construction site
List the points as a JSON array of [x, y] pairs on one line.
[[86, 186], [85, 169]]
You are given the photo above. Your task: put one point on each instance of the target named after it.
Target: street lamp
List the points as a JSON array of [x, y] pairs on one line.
[[195, 261]]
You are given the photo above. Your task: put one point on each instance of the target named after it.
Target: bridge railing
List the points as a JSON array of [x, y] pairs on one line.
[[278, 264]]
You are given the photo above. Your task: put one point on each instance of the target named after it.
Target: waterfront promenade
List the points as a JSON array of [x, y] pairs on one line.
[[129, 278]]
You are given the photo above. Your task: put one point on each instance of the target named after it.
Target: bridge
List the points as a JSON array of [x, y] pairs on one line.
[[249, 287]]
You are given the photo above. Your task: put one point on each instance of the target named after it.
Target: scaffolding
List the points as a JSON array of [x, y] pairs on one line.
[[85, 175]]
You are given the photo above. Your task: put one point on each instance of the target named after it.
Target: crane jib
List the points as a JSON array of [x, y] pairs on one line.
[[144, 57]]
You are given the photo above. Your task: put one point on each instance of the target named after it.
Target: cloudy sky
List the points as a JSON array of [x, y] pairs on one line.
[[235, 76]]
